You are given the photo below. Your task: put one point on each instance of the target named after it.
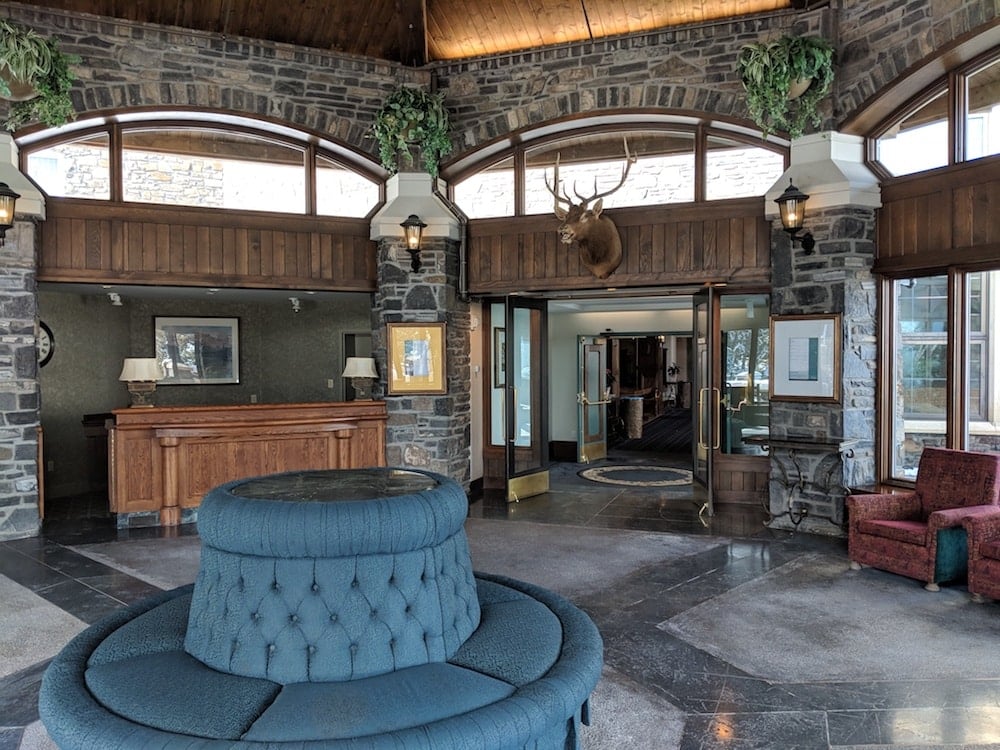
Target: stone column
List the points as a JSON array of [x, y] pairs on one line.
[[423, 431], [19, 391], [808, 484]]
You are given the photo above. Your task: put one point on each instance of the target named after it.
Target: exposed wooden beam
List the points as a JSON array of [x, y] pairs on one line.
[[412, 30]]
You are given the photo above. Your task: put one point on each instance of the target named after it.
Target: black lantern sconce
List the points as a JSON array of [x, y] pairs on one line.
[[792, 206], [413, 231], [7, 200]]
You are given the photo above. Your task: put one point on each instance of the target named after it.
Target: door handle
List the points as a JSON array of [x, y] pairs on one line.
[[581, 398], [716, 413], [701, 418], [717, 404]]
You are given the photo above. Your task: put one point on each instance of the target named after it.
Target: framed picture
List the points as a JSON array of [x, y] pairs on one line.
[[198, 351], [805, 358], [416, 358], [499, 357]]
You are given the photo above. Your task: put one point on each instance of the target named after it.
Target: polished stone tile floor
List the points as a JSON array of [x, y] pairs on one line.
[[721, 706]]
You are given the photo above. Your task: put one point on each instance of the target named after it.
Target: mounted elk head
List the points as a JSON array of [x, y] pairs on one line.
[[597, 236]]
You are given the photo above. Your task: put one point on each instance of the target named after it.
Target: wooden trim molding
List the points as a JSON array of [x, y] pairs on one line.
[[98, 242], [936, 220], [717, 241]]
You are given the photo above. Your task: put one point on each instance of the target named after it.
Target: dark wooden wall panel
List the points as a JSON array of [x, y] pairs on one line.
[[948, 217], [685, 243], [196, 247]]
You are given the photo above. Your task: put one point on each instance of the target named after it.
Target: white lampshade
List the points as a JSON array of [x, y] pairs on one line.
[[141, 369], [360, 367]]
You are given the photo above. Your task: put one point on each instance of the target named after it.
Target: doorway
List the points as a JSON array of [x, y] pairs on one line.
[[515, 455], [650, 395]]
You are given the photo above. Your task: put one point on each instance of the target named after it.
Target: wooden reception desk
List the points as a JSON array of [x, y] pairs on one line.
[[163, 459]]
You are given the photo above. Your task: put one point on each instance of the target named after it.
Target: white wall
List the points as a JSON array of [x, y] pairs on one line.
[[564, 327]]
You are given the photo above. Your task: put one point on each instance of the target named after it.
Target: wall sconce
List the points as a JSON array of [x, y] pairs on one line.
[[115, 298], [7, 200], [792, 207], [413, 230], [296, 305], [361, 371], [140, 375]]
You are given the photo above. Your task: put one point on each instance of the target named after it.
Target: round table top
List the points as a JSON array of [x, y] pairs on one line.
[[333, 512], [334, 485]]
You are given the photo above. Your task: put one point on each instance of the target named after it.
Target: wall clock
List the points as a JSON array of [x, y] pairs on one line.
[[46, 344]]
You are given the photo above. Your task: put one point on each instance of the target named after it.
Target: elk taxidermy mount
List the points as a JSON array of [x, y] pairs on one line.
[[596, 234]]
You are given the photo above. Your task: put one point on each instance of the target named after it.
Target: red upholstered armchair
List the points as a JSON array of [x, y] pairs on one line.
[[919, 534], [983, 530]]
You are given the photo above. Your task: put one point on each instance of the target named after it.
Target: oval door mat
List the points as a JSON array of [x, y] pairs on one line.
[[638, 476]]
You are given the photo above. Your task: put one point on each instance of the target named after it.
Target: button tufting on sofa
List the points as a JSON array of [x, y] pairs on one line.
[[500, 663]]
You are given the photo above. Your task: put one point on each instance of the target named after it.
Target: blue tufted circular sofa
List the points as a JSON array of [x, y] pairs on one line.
[[331, 610]]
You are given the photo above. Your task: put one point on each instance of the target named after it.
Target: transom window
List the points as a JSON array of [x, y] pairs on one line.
[[203, 165], [674, 164], [956, 121]]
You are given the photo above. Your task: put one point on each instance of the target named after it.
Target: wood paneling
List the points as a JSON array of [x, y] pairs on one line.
[[677, 244], [400, 30], [948, 217], [140, 244], [742, 479], [165, 459]]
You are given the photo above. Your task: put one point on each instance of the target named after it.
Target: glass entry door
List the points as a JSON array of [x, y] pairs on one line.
[[519, 404], [592, 397], [704, 383], [731, 379]]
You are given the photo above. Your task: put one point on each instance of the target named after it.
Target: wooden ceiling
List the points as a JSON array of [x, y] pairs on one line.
[[414, 32]]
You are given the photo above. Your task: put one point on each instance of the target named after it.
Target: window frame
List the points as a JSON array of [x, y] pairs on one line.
[[518, 145], [311, 147], [958, 339], [954, 85]]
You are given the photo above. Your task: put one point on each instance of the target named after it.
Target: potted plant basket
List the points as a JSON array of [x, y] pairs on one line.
[[785, 80], [412, 120], [35, 74]]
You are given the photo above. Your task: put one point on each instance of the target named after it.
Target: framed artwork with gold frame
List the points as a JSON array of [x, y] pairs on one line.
[[416, 358]]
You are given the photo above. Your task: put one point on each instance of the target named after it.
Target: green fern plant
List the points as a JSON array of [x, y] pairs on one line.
[[768, 70], [412, 120], [30, 60]]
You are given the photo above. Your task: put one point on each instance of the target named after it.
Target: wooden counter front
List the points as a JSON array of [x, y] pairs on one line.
[[164, 459]]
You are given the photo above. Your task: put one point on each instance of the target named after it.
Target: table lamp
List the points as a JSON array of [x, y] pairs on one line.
[[140, 374], [361, 371]]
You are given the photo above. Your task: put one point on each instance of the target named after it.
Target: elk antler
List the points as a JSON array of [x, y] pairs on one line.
[[630, 159], [554, 187]]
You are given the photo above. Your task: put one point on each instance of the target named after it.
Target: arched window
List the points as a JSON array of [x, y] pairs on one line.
[[225, 163], [677, 162], [956, 120]]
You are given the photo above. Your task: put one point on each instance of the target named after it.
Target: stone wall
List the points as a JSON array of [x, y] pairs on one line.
[[19, 392], [126, 66], [879, 42], [689, 69], [808, 485], [426, 431]]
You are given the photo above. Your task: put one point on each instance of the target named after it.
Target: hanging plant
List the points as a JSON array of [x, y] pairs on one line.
[[771, 70], [36, 74], [412, 120]]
